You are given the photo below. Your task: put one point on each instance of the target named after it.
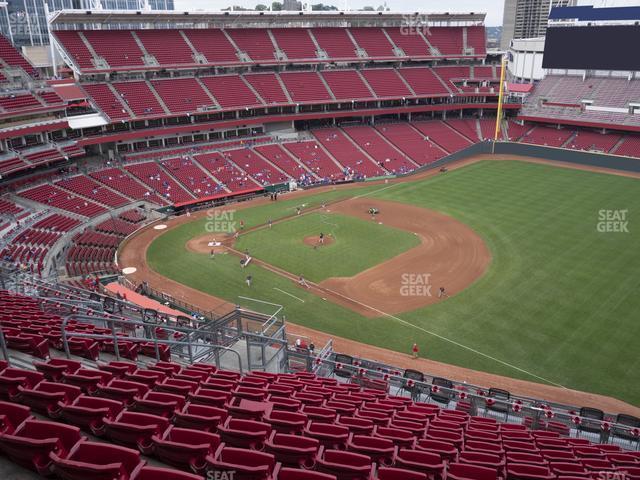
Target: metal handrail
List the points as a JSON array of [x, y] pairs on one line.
[[132, 323], [515, 407]]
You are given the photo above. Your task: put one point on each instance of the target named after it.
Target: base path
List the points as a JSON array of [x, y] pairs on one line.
[[450, 255]]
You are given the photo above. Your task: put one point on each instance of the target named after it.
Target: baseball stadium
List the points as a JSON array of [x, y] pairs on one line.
[[319, 245]]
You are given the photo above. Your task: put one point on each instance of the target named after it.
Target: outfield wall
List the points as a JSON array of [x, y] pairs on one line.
[[576, 157]]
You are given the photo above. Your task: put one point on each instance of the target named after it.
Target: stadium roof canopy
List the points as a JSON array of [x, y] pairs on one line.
[[229, 19]]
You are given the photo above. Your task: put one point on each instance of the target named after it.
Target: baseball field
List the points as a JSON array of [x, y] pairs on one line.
[[539, 266]]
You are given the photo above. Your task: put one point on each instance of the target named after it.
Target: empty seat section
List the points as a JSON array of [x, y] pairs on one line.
[[477, 39], [230, 91], [123, 183], [268, 87], [453, 75], [347, 85], [261, 171], [139, 97], [315, 159], [386, 82], [484, 72], [19, 102], [343, 150], [153, 176], [411, 42], [515, 130], [295, 43], [255, 42], [629, 147], [213, 44], [117, 47], [369, 140], [54, 197], [182, 94], [411, 143], [442, 134], [89, 188], [466, 126], [547, 136], [192, 177], [12, 57], [586, 140], [75, 47], [279, 157], [226, 172], [335, 42], [373, 41], [423, 81], [448, 40], [106, 101], [305, 87], [167, 46], [487, 128]]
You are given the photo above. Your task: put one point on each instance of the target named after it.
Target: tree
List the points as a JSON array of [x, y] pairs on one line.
[[276, 6], [261, 7]]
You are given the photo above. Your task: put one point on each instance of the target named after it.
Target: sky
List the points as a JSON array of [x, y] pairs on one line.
[[493, 8]]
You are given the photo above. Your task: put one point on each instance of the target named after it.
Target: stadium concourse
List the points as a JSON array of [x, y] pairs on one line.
[[204, 109]]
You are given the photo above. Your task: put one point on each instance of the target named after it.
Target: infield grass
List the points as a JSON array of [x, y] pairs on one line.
[[355, 245], [558, 304]]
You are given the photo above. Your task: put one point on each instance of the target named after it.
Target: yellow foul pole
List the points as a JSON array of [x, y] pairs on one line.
[[500, 98]]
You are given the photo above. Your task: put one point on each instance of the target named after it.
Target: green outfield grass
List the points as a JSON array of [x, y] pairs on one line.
[[357, 245], [558, 303]]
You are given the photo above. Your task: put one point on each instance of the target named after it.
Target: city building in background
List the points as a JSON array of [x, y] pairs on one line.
[[527, 18]]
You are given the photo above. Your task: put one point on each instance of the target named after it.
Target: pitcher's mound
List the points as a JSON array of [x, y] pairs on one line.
[[314, 240]]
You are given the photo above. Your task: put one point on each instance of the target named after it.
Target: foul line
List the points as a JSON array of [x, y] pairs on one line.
[[259, 301], [287, 293], [453, 342]]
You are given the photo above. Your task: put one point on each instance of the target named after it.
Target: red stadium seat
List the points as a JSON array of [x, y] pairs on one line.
[[393, 473], [244, 433], [521, 471], [345, 465], [246, 465], [380, 450], [89, 413], [159, 403], [155, 473], [287, 473], [54, 368], [13, 378], [286, 422], [200, 417], [185, 448], [123, 391], [32, 442], [88, 380], [461, 471], [49, 397], [329, 436], [293, 450], [12, 416], [421, 461], [97, 461], [133, 429]]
